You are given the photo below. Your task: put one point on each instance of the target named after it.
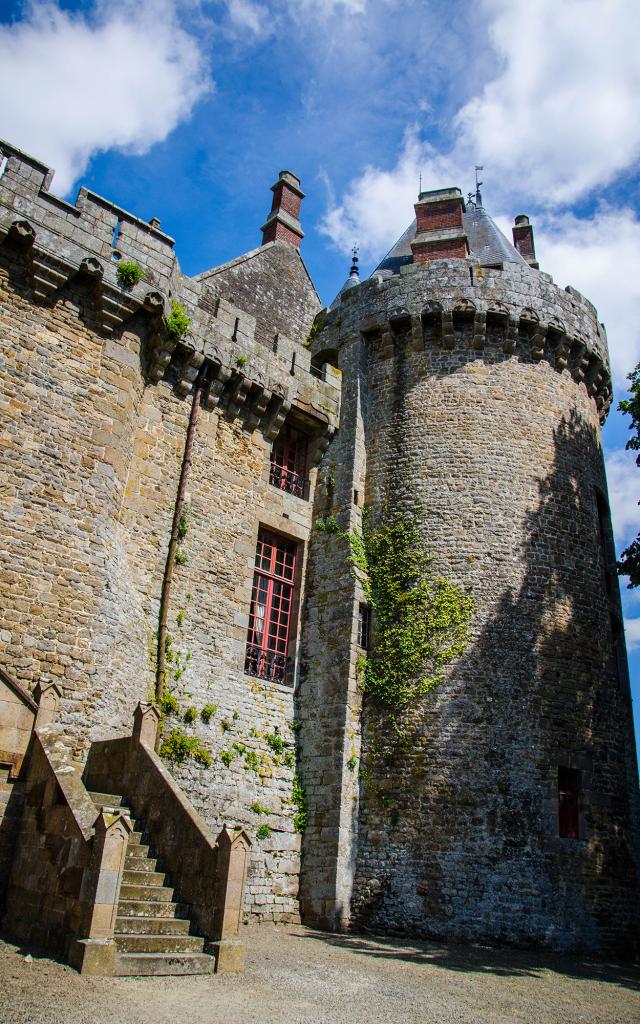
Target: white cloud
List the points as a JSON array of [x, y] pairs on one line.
[[379, 204], [75, 85], [600, 256], [246, 16], [556, 121], [623, 479], [561, 116], [632, 634]]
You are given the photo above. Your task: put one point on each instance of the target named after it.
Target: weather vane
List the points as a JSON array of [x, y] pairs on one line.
[[478, 184], [354, 257]]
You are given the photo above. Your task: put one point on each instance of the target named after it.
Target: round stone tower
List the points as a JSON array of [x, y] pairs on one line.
[[473, 389]]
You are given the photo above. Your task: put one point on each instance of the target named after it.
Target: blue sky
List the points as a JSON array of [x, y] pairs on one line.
[[188, 110]]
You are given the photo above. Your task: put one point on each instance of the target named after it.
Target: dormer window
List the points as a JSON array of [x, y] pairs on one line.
[[289, 462]]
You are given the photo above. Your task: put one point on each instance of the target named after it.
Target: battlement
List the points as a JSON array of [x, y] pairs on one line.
[[86, 242], [490, 313]]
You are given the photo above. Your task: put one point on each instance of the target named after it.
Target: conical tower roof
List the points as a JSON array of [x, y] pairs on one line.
[[487, 245]]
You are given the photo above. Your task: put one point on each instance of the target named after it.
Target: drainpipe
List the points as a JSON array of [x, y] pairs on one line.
[[173, 540]]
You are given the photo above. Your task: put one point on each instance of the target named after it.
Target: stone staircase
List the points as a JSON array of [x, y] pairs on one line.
[[152, 931]]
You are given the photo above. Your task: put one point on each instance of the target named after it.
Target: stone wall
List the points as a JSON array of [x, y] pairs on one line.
[[487, 422], [95, 416]]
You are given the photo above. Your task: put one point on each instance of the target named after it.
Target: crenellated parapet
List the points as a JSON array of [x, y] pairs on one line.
[[60, 244], [452, 306]]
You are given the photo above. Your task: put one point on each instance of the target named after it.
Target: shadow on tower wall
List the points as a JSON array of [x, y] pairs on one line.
[[458, 829]]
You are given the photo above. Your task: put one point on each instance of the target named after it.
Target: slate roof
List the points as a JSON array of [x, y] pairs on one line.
[[487, 244]]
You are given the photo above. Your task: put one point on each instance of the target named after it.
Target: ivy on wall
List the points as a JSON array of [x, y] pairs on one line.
[[421, 619]]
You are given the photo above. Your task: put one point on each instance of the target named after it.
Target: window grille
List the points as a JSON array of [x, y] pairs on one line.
[[271, 606], [289, 462], [568, 809], [364, 627]]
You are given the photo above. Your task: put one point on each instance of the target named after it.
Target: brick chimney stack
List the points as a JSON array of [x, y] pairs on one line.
[[283, 222], [523, 240], [440, 233]]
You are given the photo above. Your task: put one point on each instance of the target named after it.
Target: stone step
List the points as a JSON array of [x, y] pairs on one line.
[[154, 893], [144, 865], [159, 943], [132, 964], [152, 925], [135, 838], [141, 876], [137, 852], [151, 908]]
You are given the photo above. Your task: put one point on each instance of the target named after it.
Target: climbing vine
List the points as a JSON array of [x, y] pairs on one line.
[[421, 618]]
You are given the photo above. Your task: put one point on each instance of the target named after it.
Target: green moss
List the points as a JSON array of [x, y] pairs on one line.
[[263, 831], [352, 763], [190, 715], [181, 557], [227, 756]]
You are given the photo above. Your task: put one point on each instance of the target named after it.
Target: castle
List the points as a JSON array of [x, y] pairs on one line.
[[183, 462]]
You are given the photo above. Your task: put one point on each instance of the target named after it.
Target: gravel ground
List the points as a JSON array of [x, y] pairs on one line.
[[298, 976]]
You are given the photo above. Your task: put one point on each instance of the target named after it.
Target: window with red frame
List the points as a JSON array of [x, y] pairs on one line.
[[271, 607], [289, 462], [568, 808]]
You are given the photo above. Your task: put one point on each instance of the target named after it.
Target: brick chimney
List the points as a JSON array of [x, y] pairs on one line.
[[440, 233], [523, 240], [283, 223]]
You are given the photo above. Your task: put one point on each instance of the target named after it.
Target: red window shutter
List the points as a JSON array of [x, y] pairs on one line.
[[568, 807]]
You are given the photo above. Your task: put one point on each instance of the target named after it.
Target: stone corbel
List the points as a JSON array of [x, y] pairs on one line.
[[280, 406], [48, 275], [22, 232], [594, 375], [260, 398], [322, 444], [479, 331], [417, 338], [580, 358], [562, 353], [511, 336], [112, 306], [448, 337], [189, 372], [161, 352], [537, 342], [240, 387], [220, 375]]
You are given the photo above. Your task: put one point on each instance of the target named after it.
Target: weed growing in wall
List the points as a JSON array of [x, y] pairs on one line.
[[207, 712], [177, 323], [178, 746], [421, 618], [129, 274], [263, 831], [299, 800]]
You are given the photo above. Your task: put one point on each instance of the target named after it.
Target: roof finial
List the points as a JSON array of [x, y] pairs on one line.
[[420, 186], [478, 184], [354, 272]]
